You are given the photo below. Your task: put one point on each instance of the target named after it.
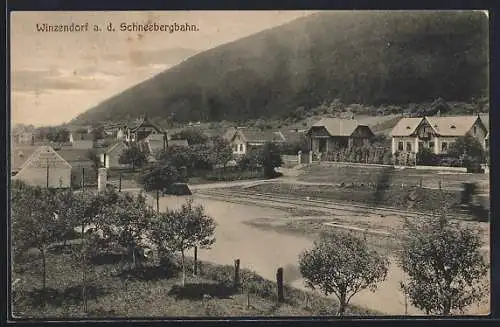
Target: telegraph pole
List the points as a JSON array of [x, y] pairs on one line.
[[47, 161]]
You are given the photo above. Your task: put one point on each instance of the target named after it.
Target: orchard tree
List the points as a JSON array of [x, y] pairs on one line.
[[182, 229], [81, 210], [134, 156], [157, 177], [444, 264], [342, 264], [126, 223], [270, 158], [222, 152], [34, 222]]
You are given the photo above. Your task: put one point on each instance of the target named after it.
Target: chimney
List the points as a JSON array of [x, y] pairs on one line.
[[352, 115], [439, 113]]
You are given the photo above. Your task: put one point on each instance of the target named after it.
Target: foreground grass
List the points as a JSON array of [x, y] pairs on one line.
[[154, 291]]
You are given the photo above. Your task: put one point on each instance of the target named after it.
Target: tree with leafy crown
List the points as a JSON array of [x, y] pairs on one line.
[[343, 265]]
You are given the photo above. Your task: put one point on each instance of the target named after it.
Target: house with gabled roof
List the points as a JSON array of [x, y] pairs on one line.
[[242, 139], [42, 167], [436, 133], [110, 157], [329, 134], [141, 129]]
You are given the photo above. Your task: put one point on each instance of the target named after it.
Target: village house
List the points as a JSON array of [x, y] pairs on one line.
[[329, 134], [80, 140], [82, 166], [486, 121], [242, 139], [110, 157], [116, 130], [435, 133], [40, 166], [23, 137], [141, 129]]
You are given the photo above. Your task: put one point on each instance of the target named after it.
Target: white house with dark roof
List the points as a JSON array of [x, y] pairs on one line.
[[330, 133], [242, 139], [436, 133]]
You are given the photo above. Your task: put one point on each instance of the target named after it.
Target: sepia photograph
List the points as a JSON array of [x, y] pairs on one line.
[[225, 164]]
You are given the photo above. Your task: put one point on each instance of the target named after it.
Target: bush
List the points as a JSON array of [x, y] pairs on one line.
[[426, 157]]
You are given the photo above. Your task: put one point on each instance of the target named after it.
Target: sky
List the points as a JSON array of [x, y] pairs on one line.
[[57, 75]]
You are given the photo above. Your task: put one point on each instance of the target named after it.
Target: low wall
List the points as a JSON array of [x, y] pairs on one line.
[[351, 164], [442, 168]]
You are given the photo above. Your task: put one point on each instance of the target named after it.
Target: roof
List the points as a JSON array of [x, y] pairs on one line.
[[19, 155], [486, 121], [178, 143], [143, 121], [83, 137], [252, 135], [338, 126], [114, 146], [293, 137], [444, 125], [155, 137], [74, 155], [42, 156], [406, 126]]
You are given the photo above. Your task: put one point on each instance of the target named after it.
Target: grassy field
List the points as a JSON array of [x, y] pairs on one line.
[[352, 174], [413, 198], [153, 291]]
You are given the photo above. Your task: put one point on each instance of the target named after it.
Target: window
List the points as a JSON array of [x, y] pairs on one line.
[[241, 147], [400, 146], [431, 145], [444, 146], [408, 146], [475, 130], [486, 143]]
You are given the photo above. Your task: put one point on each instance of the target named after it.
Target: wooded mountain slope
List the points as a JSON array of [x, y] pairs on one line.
[[370, 58]]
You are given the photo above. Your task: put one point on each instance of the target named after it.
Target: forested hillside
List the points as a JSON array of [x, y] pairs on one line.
[[369, 58]]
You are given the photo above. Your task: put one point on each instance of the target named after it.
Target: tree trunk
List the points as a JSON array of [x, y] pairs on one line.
[[342, 304], [84, 283], [183, 269], [44, 275], [195, 268], [158, 200]]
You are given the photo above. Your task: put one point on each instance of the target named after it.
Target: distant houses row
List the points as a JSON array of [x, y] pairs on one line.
[[30, 160]]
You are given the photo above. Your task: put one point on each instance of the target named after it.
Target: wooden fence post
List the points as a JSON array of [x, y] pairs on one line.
[[236, 274], [279, 282], [195, 268]]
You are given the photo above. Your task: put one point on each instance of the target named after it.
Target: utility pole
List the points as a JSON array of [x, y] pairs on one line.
[[47, 162]]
